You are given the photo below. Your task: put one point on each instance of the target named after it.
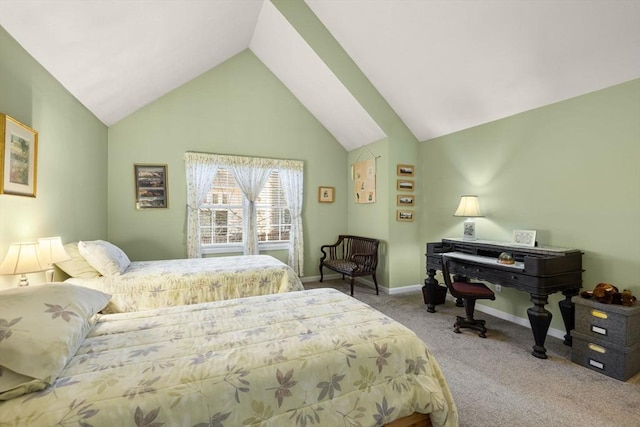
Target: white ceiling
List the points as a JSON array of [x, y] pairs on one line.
[[442, 65]]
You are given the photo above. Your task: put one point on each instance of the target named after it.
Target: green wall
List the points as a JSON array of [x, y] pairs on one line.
[[402, 252], [71, 198], [570, 170], [239, 108]]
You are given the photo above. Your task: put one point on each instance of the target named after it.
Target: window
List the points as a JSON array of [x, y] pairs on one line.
[[221, 215]]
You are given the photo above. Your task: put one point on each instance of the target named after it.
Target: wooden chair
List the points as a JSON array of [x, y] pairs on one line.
[[469, 292], [352, 256]]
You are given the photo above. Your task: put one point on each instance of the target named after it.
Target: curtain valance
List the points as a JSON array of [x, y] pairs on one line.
[[230, 161]]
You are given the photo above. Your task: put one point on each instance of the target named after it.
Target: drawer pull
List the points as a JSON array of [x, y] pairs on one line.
[[599, 314], [597, 348]]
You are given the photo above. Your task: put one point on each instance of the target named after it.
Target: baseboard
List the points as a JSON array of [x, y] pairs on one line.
[[556, 333]]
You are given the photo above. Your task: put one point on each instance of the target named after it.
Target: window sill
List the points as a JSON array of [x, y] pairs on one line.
[[231, 248]]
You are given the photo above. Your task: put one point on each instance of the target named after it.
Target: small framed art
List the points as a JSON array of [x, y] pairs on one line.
[[405, 200], [405, 170], [524, 237], [405, 185], [404, 215], [18, 158], [326, 194], [151, 186]]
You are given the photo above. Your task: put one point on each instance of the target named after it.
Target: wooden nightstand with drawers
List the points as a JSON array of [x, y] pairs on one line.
[[606, 338]]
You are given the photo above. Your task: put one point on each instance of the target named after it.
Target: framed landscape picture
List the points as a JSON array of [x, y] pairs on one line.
[[18, 157], [404, 215], [405, 185], [405, 170], [151, 186], [405, 200]]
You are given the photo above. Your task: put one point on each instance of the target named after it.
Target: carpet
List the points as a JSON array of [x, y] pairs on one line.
[[496, 381]]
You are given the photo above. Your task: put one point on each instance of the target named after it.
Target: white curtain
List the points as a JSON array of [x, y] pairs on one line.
[[292, 186], [201, 172], [250, 178], [251, 174]]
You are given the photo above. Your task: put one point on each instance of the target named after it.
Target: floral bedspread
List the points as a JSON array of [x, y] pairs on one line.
[[156, 284], [310, 358]]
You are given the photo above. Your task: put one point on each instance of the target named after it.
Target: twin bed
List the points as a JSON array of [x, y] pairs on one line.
[[142, 285], [313, 357]]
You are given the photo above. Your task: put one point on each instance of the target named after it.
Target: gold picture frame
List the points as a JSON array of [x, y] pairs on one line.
[[405, 185], [326, 194], [151, 186], [405, 200], [405, 170], [18, 158], [405, 215]]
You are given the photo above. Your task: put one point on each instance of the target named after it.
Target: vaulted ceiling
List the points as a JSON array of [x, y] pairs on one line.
[[442, 65]]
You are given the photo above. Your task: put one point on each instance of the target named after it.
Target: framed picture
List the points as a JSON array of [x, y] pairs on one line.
[[524, 237], [151, 186], [18, 158], [405, 185], [403, 215], [405, 170], [405, 200], [326, 194]]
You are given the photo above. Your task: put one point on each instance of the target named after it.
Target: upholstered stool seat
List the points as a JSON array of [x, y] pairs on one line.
[[469, 292]]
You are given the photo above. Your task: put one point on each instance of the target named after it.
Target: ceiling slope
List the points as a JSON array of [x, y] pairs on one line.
[[118, 56], [444, 66], [292, 60]]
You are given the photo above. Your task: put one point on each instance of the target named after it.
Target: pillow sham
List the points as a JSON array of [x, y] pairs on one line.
[[41, 329], [77, 266], [104, 256]]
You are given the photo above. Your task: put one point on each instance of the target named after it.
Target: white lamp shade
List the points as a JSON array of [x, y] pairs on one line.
[[22, 258], [468, 207], [51, 250]]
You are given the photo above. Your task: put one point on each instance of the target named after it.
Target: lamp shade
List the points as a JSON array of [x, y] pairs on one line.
[[22, 258], [51, 250], [468, 207]]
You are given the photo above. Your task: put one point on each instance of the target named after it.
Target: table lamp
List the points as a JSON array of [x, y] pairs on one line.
[[22, 258], [51, 251], [470, 208]]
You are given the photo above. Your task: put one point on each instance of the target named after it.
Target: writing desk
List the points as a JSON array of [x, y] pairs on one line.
[[540, 271]]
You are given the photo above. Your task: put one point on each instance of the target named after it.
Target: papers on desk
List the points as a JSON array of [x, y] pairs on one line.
[[484, 260]]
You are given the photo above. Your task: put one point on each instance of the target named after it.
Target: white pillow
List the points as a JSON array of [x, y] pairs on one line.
[[43, 326], [105, 257], [77, 266]]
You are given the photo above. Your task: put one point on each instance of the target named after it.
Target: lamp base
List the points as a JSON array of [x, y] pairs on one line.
[[23, 281], [469, 231]]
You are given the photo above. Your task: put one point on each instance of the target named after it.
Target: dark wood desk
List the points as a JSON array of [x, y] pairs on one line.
[[540, 271]]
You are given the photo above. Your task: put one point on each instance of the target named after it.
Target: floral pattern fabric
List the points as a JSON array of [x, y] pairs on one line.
[[156, 284], [311, 358]]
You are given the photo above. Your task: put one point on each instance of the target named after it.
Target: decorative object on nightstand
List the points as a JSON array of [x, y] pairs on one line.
[[469, 207], [22, 258], [51, 251]]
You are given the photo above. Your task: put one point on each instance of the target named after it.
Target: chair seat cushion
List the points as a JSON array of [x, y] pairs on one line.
[[473, 290], [341, 265]]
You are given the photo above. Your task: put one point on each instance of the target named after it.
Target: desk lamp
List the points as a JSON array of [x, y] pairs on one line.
[[51, 251], [22, 258], [470, 208]]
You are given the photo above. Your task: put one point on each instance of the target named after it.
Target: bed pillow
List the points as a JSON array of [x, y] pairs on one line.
[[104, 256], [41, 328], [77, 266]]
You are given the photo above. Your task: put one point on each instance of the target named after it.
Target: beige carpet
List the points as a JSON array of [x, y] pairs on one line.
[[496, 381]]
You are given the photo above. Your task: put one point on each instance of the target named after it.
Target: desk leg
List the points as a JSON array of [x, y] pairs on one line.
[[430, 284], [540, 319], [567, 308]]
